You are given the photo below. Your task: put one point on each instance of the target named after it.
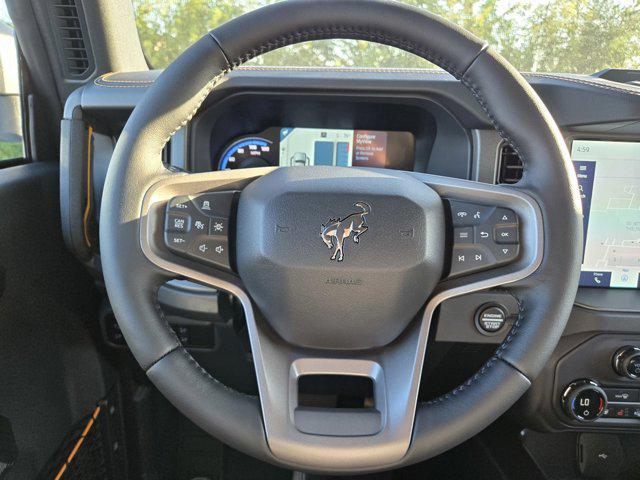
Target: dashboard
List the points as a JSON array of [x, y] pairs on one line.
[[608, 174], [420, 121]]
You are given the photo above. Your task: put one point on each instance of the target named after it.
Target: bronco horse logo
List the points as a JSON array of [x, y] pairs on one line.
[[335, 231]]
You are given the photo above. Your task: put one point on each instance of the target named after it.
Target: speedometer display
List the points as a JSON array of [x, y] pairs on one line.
[[246, 153]]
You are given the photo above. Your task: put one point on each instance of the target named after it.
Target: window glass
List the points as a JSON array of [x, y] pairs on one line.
[[578, 36], [11, 142]]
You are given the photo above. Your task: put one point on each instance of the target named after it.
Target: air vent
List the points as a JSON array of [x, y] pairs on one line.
[[510, 165], [72, 38]]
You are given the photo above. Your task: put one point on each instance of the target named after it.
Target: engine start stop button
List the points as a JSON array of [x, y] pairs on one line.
[[490, 319]]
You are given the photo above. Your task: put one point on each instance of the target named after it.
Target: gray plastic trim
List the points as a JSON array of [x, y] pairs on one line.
[[332, 420], [400, 362]]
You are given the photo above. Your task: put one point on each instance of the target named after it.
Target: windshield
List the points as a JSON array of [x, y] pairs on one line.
[[571, 36]]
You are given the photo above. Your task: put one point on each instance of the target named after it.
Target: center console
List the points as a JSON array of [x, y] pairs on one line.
[[609, 392]]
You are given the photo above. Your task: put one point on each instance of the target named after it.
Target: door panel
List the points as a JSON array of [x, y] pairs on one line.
[[50, 374]]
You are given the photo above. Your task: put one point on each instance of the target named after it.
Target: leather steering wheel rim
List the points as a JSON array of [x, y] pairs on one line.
[[545, 297]]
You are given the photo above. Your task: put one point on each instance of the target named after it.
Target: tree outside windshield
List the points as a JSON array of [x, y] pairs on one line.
[[571, 36]]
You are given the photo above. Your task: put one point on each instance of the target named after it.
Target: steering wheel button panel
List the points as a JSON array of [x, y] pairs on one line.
[[483, 237], [197, 227]]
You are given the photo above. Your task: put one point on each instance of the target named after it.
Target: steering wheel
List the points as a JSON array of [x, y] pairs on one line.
[[368, 315]]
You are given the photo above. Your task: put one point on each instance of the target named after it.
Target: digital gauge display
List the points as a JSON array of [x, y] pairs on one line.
[[297, 146], [246, 153]]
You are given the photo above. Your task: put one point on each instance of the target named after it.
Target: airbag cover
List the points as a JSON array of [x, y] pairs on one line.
[[290, 226]]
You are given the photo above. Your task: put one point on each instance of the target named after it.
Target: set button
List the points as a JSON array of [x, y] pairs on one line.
[[177, 242], [197, 227]]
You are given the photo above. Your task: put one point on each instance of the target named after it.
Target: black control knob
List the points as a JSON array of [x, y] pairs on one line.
[[584, 400], [626, 362]]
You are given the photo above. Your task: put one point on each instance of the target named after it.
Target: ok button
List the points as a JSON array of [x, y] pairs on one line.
[[506, 234]]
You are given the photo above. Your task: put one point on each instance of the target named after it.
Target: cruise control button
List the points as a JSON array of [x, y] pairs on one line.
[[463, 235], [622, 394], [179, 204], [200, 225], [178, 242], [212, 250], [178, 222], [506, 235], [214, 204]]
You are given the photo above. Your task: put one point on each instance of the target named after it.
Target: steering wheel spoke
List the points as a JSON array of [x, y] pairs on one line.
[[188, 221], [494, 234], [297, 429]]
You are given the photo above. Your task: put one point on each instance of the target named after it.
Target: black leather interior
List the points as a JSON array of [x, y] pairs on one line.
[[512, 105]]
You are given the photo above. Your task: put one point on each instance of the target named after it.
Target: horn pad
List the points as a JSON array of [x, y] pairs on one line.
[[291, 225]]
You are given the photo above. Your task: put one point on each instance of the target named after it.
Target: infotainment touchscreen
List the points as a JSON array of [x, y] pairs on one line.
[[609, 182]]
